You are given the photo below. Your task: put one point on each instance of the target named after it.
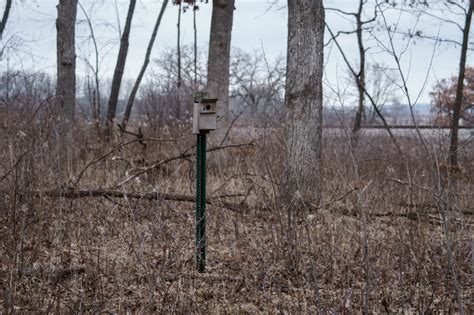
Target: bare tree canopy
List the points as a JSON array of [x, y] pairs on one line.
[[133, 94], [6, 13]]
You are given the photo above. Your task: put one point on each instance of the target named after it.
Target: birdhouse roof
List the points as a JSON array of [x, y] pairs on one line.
[[190, 2]]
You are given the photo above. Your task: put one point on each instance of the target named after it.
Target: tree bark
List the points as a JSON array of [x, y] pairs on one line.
[[219, 57], [131, 98], [66, 59], [303, 103], [453, 148], [66, 81], [118, 73], [360, 78], [6, 14]]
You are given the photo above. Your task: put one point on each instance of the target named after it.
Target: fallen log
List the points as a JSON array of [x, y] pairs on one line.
[[77, 194]]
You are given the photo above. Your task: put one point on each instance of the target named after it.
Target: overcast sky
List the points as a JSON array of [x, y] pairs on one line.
[[256, 25]]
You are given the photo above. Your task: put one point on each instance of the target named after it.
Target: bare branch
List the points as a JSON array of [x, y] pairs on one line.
[[377, 110], [340, 11], [6, 14], [120, 146]]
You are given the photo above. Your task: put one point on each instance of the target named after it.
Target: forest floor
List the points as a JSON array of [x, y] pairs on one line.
[[394, 233]]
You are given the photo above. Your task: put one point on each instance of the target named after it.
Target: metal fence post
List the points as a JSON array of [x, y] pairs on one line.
[[201, 202]]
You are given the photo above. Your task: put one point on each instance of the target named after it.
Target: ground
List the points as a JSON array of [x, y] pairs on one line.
[[378, 243]]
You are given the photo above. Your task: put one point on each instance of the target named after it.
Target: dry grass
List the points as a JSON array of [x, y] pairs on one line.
[[377, 244]]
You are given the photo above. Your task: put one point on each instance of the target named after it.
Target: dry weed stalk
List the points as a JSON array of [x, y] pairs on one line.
[[377, 244]]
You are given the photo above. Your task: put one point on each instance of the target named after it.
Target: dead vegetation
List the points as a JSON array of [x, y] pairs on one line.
[[376, 245]]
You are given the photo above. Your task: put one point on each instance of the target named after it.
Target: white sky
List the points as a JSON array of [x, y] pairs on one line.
[[254, 25]]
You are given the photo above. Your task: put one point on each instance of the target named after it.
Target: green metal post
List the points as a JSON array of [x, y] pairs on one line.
[[201, 202]]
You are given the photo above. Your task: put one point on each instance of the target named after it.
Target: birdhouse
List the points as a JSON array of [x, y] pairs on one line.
[[204, 115]]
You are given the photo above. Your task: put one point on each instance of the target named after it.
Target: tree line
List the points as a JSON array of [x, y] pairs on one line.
[[298, 86]]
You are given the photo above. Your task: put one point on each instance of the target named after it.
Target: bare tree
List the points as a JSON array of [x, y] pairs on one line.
[[360, 75], [6, 14], [453, 148], [442, 190], [383, 84], [160, 90], [131, 98], [94, 94], [119, 68], [303, 102], [257, 85], [219, 55], [369, 96], [442, 11], [66, 78]]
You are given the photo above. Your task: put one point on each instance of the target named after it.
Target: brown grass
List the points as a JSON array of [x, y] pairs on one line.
[[376, 245]]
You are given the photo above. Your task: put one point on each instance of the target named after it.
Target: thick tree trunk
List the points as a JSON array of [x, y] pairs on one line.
[[6, 14], [219, 57], [66, 80], [303, 102], [131, 98], [66, 59], [453, 148], [118, 73]]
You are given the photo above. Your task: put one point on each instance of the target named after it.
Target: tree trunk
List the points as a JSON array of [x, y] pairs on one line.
[[66, 59], [453, 148], [66, 79], [131, 98], [97, 107], [219, 58], [178, 49], [360, 78], [303, 102], [6, 14], [118, 73]]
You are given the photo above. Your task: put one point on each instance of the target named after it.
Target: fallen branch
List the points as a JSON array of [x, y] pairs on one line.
[[426, 206], [413, 215], [77, 194]]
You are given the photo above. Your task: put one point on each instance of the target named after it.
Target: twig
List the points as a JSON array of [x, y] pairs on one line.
[[400, 182], [14, 166], [369, 96], [230, 127], [81, 173], [183, 155]]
